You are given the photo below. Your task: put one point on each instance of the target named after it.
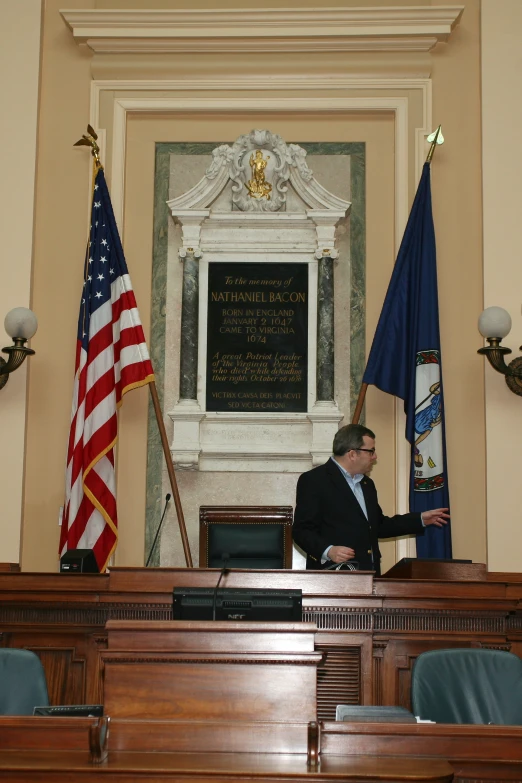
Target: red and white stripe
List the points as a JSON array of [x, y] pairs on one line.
[[116, 361]]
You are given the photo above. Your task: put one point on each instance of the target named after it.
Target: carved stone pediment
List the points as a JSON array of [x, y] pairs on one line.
[[261, 167]]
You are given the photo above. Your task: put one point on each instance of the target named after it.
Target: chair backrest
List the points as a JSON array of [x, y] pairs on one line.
[[253, 536], [22, 682], [468, 686]]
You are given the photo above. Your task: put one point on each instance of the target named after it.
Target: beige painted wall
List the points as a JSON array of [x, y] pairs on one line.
[[19, 72], [457, 211], [502, 175], [62, 194], [61, 224]]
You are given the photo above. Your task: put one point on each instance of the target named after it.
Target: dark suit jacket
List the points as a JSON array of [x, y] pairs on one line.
[[328, 513]]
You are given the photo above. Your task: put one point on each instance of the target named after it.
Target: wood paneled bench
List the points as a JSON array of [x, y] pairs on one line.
[[86, 738], [56, 750], [477, 754]]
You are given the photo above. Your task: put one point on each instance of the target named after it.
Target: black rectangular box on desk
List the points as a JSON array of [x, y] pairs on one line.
[[71, 710], [197, 603], [78, 561], [355, 713]]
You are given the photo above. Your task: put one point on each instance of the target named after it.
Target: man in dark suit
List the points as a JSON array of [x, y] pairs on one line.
[[337, 516]]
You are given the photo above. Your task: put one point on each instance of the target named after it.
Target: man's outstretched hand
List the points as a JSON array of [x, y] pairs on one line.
[[438, 517]]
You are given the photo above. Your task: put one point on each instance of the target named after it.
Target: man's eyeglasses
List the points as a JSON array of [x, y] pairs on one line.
[[370, 451]]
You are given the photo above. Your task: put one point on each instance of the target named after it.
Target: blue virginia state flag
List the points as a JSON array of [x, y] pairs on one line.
[[405, 361]]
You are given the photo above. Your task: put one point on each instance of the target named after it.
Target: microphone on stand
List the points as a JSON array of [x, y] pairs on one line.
[[167, 498], [225, 558]]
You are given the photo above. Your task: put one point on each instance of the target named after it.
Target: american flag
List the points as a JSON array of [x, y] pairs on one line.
[[111, 359]]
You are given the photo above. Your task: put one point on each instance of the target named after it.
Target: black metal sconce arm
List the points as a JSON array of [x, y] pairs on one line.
[[17, 354], [495, 353]]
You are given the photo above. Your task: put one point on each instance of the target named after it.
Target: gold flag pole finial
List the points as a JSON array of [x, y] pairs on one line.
[[435, 138], [89, 140]]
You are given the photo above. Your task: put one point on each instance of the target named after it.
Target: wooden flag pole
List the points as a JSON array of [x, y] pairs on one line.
[[360, 402], [172, 475]]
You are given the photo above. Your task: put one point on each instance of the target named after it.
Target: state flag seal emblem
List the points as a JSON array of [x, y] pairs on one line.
[[428, 451]]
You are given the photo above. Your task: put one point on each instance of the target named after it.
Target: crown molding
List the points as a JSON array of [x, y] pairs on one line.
[[380, 29], [274, 82]]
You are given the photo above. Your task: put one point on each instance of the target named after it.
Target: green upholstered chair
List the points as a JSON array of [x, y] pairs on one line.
[[22, 682], [468, 686]]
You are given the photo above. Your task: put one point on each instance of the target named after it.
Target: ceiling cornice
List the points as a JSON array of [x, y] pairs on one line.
[[415, 29]]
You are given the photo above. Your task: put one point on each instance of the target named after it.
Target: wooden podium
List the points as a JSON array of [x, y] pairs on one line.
[[447, 570], [187, 670]]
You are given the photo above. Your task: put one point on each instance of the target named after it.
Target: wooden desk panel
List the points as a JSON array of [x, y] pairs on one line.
[[206, 636], [211, 670], [413, 568], [71, 767], [370, 630], [54, 749], [27, 733], [225, 691], [212, 737], [477, 754], [267, 751]]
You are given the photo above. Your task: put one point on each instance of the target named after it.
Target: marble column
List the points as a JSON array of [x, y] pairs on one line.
[[189, 324], [325, 325]]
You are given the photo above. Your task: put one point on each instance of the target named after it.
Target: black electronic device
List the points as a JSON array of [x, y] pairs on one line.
[[201, 603], [71, 710], [356, 713], [79, 561]]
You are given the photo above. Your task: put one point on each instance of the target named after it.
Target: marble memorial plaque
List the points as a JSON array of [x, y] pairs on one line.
[[257, 341]]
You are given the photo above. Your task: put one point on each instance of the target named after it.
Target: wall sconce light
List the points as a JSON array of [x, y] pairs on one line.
[[494, 324], [20, 324]]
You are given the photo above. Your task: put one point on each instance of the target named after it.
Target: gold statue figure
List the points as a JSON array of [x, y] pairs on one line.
[[258, 187]]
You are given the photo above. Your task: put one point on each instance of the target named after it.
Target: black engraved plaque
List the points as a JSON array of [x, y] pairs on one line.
[[257, 337]]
